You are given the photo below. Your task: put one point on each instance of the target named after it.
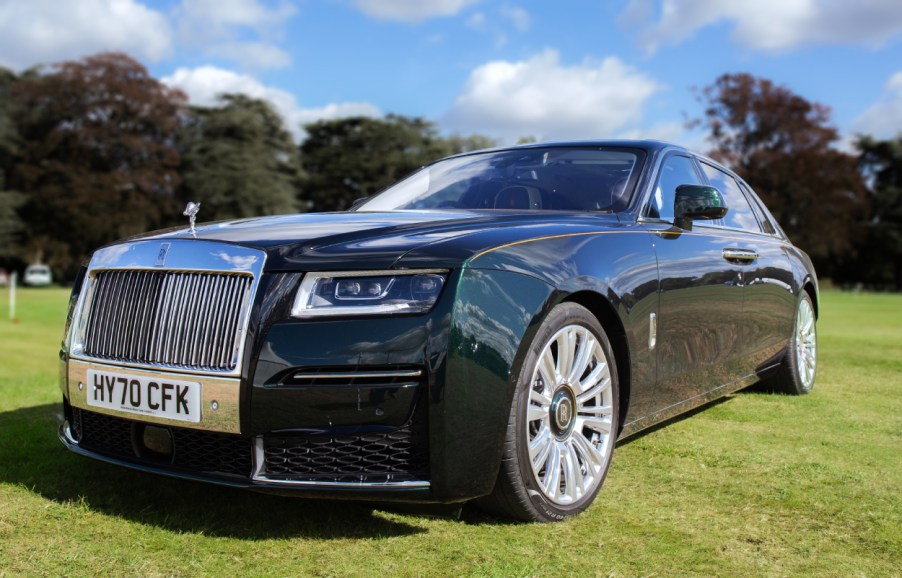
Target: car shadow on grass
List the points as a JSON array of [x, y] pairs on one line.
[[31, 456]]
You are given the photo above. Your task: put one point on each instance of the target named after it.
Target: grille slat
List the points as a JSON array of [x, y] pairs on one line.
[[174, 318], [229, 303]]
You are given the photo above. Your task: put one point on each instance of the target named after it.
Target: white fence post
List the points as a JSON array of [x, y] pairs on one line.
[[12, 296]]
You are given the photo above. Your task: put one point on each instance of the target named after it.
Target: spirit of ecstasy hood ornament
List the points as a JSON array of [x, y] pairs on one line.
[[191, 212]]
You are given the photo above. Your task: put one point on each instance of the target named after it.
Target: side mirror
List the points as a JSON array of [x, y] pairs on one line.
[[697, 202]]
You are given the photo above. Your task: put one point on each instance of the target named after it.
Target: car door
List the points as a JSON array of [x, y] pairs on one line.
[[768, 302], [700, 295]]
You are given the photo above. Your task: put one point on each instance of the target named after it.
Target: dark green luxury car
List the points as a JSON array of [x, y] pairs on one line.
[[486, 329]]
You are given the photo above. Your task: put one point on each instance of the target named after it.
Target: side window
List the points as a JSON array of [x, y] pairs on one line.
[[740, 214], [764, 216], [676, 170]]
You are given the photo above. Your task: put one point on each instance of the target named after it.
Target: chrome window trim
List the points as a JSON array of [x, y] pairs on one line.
[[183, 256]]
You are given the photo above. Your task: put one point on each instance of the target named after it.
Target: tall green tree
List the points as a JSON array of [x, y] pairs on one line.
[[11, 225], [349, 158], [457, 144], [238, 160], [783, 146], [99, 160], [880, 262]]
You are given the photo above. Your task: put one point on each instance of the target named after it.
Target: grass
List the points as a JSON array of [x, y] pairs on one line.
[[756, 485]]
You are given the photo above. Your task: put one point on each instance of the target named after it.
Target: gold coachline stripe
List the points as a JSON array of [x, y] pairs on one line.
[[545, 238], [644, 231], [223, 391]]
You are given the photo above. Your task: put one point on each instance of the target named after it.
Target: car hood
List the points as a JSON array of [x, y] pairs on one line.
[[350, 240]]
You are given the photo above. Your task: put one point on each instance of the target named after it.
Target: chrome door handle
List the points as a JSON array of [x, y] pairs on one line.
[[741, 255]]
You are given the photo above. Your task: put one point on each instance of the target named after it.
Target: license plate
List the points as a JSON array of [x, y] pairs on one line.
[[150, 396]]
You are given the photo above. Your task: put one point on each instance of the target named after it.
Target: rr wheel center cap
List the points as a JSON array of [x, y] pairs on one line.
[[562, 413]]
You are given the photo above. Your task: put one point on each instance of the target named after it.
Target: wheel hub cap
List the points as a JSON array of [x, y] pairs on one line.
[[562, 413]]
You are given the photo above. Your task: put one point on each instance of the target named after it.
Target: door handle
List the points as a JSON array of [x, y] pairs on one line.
[[740, 255]]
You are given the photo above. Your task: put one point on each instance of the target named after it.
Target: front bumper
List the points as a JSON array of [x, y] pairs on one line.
[[350, 465]]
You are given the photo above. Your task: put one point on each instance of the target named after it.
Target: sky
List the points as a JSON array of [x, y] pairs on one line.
[[570, 69]]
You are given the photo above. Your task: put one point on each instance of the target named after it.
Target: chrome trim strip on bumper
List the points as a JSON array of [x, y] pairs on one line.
[[217, 391], [358, 374], [412, 485]]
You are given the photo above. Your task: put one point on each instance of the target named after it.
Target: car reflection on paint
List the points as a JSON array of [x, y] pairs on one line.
[[484, 330]]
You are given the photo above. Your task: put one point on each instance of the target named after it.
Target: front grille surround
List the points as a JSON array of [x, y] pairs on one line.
[[168, 304]]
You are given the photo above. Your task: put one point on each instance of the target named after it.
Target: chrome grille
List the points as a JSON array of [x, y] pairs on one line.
[[182, 319]]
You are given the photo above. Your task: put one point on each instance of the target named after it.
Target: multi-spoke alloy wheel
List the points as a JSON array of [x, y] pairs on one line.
[[564, 420], [796, 374], [806, 344], [569, 417]]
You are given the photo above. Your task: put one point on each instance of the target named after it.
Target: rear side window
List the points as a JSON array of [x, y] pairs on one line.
[[676, 170], [767, 220], [740, 214]]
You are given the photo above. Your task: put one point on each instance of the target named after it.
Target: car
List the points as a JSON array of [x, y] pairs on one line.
[[484, 330], [38, 275]]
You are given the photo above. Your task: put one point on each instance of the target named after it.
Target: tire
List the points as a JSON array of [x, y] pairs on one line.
[[796, 373], [570, 424]]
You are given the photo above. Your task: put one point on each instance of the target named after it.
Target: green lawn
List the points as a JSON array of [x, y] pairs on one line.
[[758, 484]]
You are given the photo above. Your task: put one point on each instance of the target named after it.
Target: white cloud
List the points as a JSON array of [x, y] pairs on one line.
[[498, 28], [543, 98], [412, 11], [883, 119], [770, 25], [252, 55], [517, 16], [244, 31], [205, 83], [673, 131], [476, 21], [44, 31]]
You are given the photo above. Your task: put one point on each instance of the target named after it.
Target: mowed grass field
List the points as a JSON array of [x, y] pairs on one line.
[[755, 485]]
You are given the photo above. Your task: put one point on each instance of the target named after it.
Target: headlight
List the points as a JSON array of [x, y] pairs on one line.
[[368, 292]]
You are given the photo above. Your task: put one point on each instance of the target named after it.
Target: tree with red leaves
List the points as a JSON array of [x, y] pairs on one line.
[[782, 145], [99, 160]]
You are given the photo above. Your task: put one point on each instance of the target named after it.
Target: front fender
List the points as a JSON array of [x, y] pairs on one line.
[[494, 313]]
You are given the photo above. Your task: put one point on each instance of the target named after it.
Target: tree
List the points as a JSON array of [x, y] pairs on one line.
[[463, 144], [238, 160], [880, 262], [11, 225], [781, 144], [346, 159], [98, 158]]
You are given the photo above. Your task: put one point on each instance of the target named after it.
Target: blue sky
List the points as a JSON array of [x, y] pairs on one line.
[[553, 70]]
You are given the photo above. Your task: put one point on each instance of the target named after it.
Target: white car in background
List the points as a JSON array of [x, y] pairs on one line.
[[38, 275]]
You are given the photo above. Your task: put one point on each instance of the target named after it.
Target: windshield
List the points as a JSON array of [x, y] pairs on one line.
[[551, 179]]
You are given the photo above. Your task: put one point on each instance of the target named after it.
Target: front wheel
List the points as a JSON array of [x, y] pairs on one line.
[[563, 421]]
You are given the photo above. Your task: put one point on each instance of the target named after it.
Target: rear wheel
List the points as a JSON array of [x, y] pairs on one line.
[[796, 374], [563, 421]]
